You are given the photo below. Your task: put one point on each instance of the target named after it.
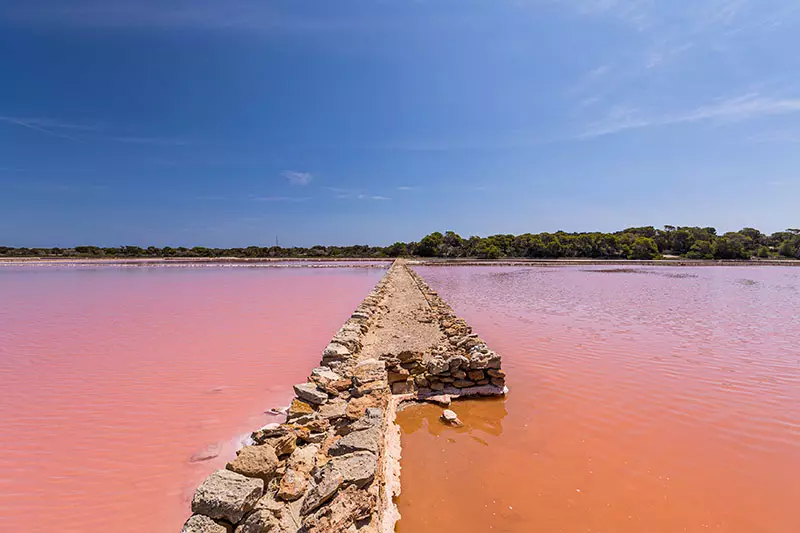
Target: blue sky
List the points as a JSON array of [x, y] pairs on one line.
[[227, 123]]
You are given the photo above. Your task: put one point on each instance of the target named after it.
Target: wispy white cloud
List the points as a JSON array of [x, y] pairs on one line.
[[355, 194], [281, 198], [149, 140], [746, 107], [83, 132], [775, 137], [298, 178], [47, 126], [408, 188], [211, 198]]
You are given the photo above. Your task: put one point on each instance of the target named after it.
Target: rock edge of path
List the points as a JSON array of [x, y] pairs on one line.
[[334, 464]]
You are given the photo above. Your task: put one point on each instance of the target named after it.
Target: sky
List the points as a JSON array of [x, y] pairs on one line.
[[201, 122]]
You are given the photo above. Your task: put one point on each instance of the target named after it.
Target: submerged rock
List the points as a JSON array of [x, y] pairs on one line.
[[206, 454], [450, 417]]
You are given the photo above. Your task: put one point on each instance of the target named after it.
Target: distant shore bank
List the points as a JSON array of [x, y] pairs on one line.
[[361, 262]]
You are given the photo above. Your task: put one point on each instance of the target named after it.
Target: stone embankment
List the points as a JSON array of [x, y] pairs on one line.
[[333, 466]]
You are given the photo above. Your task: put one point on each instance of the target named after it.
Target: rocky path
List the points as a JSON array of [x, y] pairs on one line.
[[406, 325], [333, 466]]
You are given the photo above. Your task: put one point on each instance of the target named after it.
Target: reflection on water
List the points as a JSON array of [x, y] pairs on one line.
[[122, 388], [658, 399]]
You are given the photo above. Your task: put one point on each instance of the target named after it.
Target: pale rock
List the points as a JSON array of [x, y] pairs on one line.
[[365, 440], [309, 393], [293, 485], [370, 370], [451, 418], [442, 399], [357, 468], [303, 459], [437, 365], [198, 523], [457, 361], [333, 409], [325, 374], [349, 507], [258, 521], [335, 351], [259, 461], [322, 492], [227, 495]]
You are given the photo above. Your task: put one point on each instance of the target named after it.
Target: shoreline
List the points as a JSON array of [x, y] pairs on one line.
[[360, 262], [334, 464]]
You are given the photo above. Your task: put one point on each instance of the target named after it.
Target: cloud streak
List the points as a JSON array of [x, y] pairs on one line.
[[289, 199], [46, 126], [298, 178], [738, 109]]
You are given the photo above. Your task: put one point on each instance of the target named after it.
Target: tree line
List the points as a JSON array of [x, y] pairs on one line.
[[632, 243]]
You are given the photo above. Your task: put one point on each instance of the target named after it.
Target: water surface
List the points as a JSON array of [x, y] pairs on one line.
[[113, 378], [647, 399]]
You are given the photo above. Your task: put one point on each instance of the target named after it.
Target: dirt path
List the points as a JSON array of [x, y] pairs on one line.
[[406, 324]]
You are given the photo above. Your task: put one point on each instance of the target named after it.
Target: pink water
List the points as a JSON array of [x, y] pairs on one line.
[[657, 400], [112, 378]]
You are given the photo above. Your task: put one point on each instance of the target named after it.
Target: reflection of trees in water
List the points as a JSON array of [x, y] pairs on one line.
[[479, 415]]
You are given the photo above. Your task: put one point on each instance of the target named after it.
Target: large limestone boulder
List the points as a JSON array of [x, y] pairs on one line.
[[322, 492], [308, 392], [198, 523], [366, 440], [335, 352], [227, 495], [356, 468], [349, 507], [255, 461]]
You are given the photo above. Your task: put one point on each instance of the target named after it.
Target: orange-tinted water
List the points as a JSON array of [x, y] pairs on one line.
[[660, 400], [112, 378]]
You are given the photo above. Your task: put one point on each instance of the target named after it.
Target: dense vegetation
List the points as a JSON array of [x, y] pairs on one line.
[[632, 243]]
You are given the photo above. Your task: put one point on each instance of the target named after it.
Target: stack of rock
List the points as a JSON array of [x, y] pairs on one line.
[[322, 471], [319, 472], [463, 365]]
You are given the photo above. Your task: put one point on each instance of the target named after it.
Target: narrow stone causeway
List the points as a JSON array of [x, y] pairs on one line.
[[334, 465]]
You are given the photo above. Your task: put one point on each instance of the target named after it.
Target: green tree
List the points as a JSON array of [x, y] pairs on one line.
[[429, 245], [643, 248], [701, 250]]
